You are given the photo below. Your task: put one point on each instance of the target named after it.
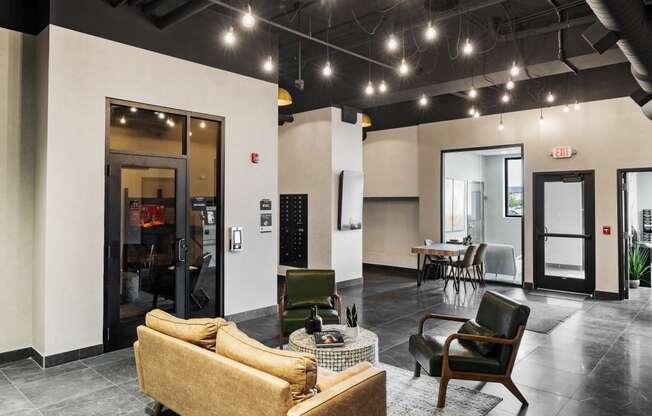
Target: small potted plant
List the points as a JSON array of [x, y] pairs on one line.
[[638, 265], [351, 330]]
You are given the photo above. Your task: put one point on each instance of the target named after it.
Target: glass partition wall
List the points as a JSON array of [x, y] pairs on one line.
[[482, 199], [163, 217]]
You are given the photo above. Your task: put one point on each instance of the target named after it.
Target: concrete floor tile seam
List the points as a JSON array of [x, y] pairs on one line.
[[15, 386]]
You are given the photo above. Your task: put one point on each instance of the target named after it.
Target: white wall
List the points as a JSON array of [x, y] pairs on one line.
[[499, 228], [313, 150], [304, 167], [17, 139], [84, 71], [346, 246]]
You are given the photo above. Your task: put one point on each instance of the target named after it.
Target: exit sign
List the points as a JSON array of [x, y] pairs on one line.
[[563, 152]]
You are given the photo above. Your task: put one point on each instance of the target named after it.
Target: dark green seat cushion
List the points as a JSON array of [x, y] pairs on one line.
[[471, 327], [429, 351], [303, 302], [293, 319]]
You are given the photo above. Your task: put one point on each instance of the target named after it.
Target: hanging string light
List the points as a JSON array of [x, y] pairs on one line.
[[403, 68], [505, 98], [510, 85], [268, 64], [327, 70], [229, 37], [473, 93], [392, 43], [541, 120], [369, 89], [430, 33], [382, 88], [514, 70], [577, 106], [550, 98], [501, 126], [423, 101], [467, 49], [248, 19]]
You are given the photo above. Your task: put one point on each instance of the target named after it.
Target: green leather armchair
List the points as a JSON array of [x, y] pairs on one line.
[[483, 349], [304, 288]]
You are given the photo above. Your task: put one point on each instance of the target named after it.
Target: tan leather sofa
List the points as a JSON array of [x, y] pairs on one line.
[[181, 367]]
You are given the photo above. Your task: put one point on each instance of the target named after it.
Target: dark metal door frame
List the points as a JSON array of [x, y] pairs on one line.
[[586, 285], [118, 161]]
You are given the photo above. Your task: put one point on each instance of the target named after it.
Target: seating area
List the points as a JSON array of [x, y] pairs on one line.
[[325, 208]]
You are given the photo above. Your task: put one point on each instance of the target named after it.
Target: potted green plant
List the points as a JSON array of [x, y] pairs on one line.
[[351, 330], [638, 264]]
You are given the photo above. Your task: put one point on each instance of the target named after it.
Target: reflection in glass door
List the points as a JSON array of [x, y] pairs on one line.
[[564, 225], [147, 246]]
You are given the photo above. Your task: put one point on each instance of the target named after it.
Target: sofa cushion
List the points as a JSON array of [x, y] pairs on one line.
[[198, 331], [298, 369], [327, 378], [471, 327]]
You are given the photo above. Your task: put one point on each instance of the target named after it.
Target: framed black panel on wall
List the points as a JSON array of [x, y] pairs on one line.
[[293, 244]]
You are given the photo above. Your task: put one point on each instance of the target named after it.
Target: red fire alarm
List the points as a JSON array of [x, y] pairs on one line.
[[606, 230], [255, 158]]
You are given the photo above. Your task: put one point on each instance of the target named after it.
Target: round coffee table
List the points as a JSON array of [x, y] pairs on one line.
[[363, 348]]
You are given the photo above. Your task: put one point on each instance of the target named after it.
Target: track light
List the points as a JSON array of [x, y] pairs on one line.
[[505, 98], [514, 70], [566, 108], [430, 33], [133, 109], [392, 43], [403, 69], [229, 37], [473, 93], [248, 19], [268, 65], [123, 120], [550, 97], [510, 85], [327, 70], [382, 87], [369, 89], [467, 49], [423, 101], [577, 106]]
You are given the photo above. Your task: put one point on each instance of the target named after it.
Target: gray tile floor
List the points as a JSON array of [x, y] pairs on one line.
[[596, 362]]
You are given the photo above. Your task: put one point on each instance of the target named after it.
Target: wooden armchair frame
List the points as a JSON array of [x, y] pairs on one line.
[[448, 374]]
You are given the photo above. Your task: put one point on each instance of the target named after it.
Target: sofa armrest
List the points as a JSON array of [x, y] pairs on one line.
[[363, 394]]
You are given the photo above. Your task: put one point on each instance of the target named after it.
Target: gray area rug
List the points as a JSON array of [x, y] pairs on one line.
[[411, 396]]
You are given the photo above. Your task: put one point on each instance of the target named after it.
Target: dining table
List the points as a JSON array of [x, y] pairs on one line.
[[436, 249]]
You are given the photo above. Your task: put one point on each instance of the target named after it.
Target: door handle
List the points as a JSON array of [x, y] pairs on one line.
[[181, 250]]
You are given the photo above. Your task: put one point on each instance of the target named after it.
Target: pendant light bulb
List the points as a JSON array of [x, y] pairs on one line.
[[472, 111], [161, 116], [202, 124], [514, 70], [248, 19], [369, 89], [577, 106], [268, 65], [467, 49], [430, 33], [476, 114], [423, 101], [392, 43], [327, 71], [403, 69], [382, 87], [550, 98], [501, 126], [510, 85], [473, 93], [566, 108], [133, 109], [505, 98], [229, 37], [541, 120], [123, 120]]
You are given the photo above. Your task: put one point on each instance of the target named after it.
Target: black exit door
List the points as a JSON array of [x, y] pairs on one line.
[[564, 231], [146, 243]]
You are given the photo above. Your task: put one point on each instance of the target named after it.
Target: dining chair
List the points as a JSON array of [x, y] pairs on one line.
[[460, 268], [478, 263]]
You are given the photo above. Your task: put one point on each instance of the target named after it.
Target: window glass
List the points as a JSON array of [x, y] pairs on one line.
[[145, 131], [513, 187]]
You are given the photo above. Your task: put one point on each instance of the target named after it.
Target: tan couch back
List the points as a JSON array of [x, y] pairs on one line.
[[190, 380]]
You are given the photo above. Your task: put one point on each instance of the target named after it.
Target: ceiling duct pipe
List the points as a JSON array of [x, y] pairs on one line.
[[628, 19]]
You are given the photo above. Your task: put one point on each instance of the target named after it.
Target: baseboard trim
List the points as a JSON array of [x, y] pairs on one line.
[[253, 314], [350, 283], [51, 360], [16, 355], [599, 295], [383, 267]]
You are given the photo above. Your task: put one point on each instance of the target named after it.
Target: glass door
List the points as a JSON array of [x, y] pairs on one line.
[[564, 225], [146, 245]]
